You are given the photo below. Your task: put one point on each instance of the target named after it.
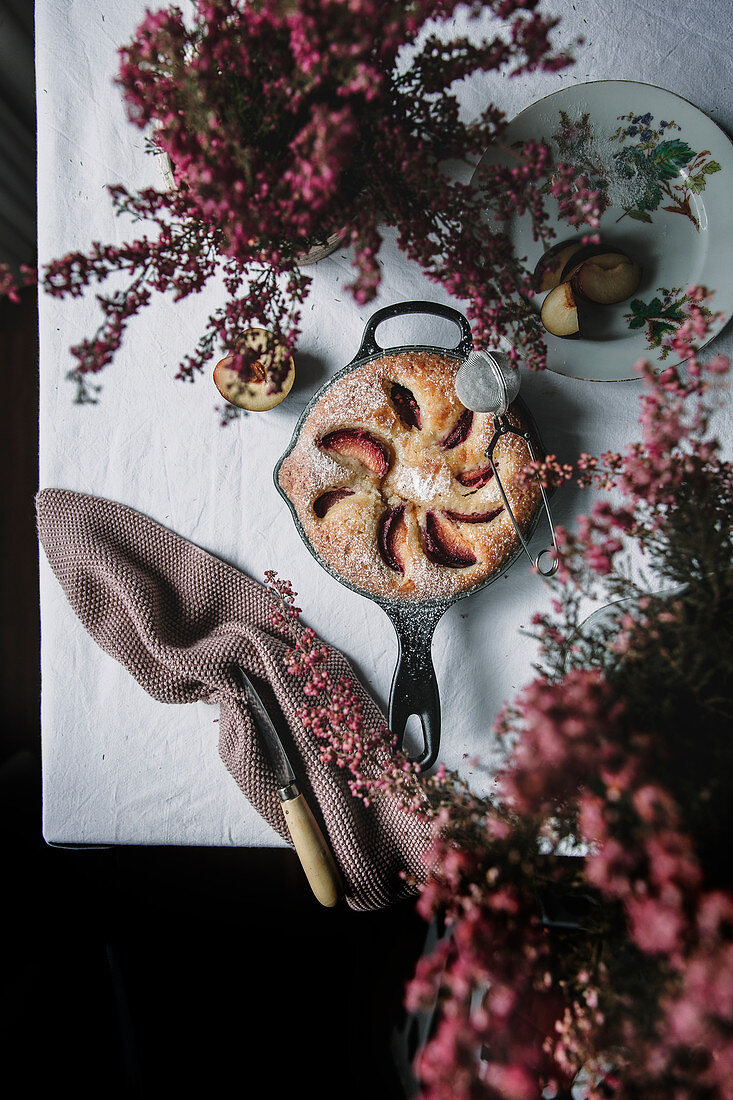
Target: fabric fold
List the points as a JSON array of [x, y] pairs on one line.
[[180, 620]]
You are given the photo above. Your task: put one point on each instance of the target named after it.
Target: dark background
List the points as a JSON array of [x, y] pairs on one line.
[[129, 971]]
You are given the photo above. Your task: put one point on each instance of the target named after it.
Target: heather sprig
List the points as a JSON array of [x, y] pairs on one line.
[[334, 713], [8, 283], [288, 123]]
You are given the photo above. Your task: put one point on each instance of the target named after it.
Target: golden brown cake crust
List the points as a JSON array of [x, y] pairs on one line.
[[381, 475]]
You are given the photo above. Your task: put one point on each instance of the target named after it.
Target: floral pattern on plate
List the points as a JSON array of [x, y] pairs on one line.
[[660, 317], [642, 174], [661, 168]]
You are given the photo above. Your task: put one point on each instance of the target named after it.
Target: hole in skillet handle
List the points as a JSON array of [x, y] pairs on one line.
[[413, 740], [419, 704], [369, 345]]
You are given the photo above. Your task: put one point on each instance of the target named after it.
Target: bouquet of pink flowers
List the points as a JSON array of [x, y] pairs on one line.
[[611, 969], [588, 904], [289, 123]]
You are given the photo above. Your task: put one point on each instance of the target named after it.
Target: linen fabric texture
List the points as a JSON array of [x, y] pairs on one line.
[[181, 620]]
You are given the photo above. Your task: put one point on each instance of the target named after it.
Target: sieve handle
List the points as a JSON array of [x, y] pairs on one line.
[[503, 427], [414, 690], [369, 345]]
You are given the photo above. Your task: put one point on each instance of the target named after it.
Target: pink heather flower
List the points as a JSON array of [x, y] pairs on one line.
[[654, 805], [564, 726], [592, 821], [610, 868], [8, 284], [335, 715], [715, 917], [513, 1082], [655, 927]]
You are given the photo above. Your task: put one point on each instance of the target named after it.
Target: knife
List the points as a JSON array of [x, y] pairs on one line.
[[310, 845]]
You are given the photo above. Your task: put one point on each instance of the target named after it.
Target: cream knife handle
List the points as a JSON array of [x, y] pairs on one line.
[[314, 854]]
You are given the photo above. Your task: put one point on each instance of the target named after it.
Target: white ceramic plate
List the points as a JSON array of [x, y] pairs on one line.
[[666, 172]]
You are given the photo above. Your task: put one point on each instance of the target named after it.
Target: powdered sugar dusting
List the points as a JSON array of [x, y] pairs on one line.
[[421, 476], [421, 485]]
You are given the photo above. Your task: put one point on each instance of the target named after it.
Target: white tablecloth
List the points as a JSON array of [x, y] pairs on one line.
[[119, 767]]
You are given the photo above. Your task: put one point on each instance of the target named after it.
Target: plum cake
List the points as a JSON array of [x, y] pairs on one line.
[[391, 484]]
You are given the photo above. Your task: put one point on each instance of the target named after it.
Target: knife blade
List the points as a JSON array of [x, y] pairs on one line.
[[310, 845]]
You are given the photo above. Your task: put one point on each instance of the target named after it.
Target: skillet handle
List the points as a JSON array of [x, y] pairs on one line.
[[414, 688], [369, 345]]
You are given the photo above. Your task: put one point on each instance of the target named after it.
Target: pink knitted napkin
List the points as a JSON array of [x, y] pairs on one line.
[[179, 620]]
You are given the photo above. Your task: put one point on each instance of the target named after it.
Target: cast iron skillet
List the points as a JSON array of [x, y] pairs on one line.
[[414, 689]]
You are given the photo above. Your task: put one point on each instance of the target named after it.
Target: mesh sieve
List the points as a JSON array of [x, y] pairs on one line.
[[487, 382]]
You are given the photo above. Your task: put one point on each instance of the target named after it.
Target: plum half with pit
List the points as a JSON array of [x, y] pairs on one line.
[[596, 273], [606, 278], [253, 386]]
